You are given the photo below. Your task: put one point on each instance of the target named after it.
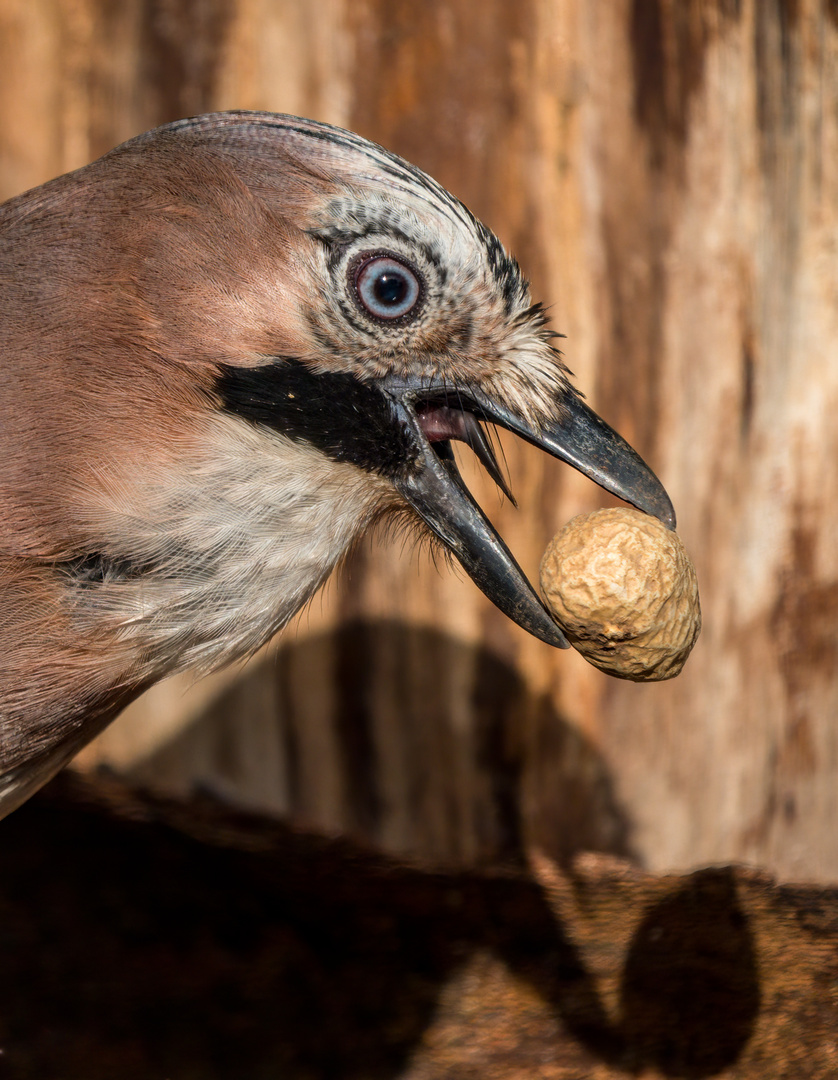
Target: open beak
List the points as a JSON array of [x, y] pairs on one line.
[[436, 413]]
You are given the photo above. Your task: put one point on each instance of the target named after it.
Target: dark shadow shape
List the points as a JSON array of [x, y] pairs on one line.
[[690, 986], [129, 947], [690, 989], [419, 684]]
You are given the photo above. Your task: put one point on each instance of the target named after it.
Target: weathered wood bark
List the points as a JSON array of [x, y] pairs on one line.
[[667, 172], [141, 939]]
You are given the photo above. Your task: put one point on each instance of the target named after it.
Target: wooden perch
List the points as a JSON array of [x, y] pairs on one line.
[[142, 939]]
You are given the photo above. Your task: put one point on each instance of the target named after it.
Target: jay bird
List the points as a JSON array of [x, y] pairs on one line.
[[230, 345]]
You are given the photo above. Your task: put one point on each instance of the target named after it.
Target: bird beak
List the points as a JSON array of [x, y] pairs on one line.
[[436, 413]]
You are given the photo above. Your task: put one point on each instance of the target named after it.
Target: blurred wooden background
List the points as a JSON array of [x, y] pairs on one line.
[[667, 173]]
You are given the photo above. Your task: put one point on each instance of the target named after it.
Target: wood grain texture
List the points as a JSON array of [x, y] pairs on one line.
[[185, 941], [667, 173]]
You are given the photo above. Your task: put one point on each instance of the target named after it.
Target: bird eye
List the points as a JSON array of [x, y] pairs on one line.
[[385, 287]]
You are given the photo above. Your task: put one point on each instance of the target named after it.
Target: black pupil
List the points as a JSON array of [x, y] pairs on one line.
[[390, 288]]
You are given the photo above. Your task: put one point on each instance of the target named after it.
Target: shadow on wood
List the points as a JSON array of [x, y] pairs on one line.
[[407, 738], [143, 938]]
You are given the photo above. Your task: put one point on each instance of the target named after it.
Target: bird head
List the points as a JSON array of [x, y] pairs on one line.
[[412, 328], [248, 310], [230, 345]]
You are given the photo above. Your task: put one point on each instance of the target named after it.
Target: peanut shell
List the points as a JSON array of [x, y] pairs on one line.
[[624, 590]]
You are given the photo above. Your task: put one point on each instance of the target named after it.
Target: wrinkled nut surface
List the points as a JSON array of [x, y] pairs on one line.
[[625, 592]]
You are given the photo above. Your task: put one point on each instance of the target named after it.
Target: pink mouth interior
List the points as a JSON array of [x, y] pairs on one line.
[[439, 423]]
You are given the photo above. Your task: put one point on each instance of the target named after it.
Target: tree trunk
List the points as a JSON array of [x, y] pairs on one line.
[[666, 171]]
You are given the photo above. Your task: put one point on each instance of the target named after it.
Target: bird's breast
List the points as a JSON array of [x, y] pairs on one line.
[[213, 554]]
